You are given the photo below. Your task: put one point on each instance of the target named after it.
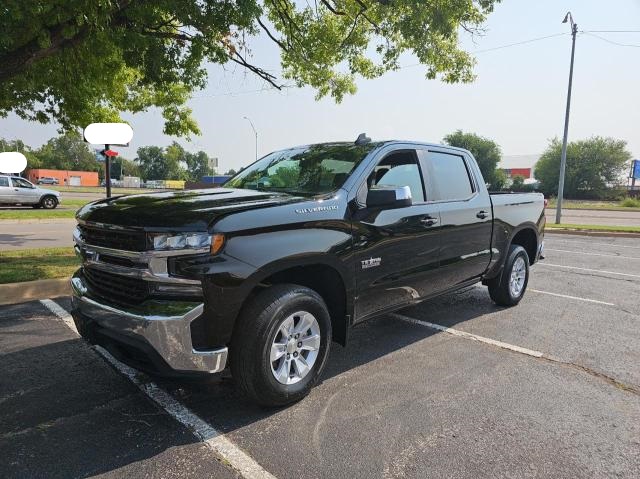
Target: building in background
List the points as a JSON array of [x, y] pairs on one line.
[[519, 165], [64, 177]]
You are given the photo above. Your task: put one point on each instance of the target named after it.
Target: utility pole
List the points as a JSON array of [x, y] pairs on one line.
[[255, 132], [107, 171], [563, 159]]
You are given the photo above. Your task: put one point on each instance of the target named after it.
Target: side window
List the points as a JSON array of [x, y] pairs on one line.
[[449, 176], [20, 183], [4, 181], [399, 169]]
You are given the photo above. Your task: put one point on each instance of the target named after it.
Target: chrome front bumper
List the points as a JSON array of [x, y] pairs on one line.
[[163, 325]]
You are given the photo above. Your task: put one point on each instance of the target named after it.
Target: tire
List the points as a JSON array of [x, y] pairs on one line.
[[259, 333], [49, 202], [509, 288]]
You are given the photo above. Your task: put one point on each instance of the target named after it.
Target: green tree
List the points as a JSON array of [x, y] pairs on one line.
[[152, 163], [594, 167], [198, 165], [486, 152], [517, 183], [123, 167], [499, 180], [67, 152], [82, 61], [231, 172], [18, 145]]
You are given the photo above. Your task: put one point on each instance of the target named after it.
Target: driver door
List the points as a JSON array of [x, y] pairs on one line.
[[397, 249], [23, 191]]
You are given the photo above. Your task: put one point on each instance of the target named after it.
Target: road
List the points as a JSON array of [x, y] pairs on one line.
[[558, 397], [19, 234], [596, 217]]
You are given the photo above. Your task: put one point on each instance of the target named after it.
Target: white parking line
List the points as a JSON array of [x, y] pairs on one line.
[[61, 313], [570, 297], [544, 263], [474, 337], [216, 441], [592, 254]]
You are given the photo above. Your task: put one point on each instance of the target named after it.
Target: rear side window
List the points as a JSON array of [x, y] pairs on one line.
[[449, 176], [4, 181]]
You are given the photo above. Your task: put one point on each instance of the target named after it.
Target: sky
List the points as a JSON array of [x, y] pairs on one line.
[[518, 98]]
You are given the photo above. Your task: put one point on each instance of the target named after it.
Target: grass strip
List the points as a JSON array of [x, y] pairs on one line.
[[40, 263], [31, 214], [615, 229]]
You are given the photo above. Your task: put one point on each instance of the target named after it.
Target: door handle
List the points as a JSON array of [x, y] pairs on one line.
[[482, 215], [429, 220]]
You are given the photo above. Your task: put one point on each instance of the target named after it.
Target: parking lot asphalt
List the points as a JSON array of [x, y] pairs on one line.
[[405, 399]]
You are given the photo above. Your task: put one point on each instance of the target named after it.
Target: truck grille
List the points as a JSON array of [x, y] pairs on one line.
[[116, 288], [114, 238]]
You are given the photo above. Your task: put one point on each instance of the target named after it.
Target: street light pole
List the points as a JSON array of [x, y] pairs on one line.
[[255, 132], [563, 159]]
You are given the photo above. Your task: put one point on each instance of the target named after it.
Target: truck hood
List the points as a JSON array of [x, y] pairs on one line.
[[192, 210]]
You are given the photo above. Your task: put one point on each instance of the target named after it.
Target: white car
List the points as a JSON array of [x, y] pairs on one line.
[[15, 190]]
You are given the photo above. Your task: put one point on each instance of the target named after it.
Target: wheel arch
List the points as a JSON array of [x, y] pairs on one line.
[[527, 237], [327, 279]]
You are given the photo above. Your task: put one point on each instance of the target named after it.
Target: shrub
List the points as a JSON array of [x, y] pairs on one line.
[[630, 203]]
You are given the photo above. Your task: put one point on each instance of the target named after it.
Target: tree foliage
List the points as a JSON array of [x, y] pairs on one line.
[[486, 152], [172, 163], [594, 166], [517, 183], [67, 152], [82, 61]]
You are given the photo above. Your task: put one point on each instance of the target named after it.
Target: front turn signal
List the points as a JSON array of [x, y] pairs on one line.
[[217, 242]]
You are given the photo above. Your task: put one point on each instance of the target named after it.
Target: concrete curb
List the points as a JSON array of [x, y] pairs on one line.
[[610, 234], [13, 293]]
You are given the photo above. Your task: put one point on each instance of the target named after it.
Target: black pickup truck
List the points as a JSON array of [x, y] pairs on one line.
[[295, 250]]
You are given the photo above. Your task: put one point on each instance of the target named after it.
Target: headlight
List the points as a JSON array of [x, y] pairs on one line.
[[182, 241]]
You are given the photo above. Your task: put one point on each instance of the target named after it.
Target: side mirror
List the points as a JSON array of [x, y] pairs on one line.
[[389, 197]]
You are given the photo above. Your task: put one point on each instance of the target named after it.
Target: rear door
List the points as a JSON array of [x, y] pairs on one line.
[[396, 250], [465, 214]]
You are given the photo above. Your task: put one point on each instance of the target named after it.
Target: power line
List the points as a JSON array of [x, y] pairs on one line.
[[610, 31], [611, 41], [508, 45], [519, 43]]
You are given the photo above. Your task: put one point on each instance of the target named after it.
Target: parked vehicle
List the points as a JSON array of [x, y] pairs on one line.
[[292, 253], [48, 180], [15, 190], [115, 183]]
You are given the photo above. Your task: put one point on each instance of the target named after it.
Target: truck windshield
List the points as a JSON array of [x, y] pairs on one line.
[[306, 171]]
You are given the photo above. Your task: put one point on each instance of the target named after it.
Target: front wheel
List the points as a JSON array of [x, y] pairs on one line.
[[508, 288], [280, 344], [49, 202]]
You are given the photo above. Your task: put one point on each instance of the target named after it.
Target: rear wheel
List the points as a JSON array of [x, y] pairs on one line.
[[49, 202], [280, 344], [508, 288]]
